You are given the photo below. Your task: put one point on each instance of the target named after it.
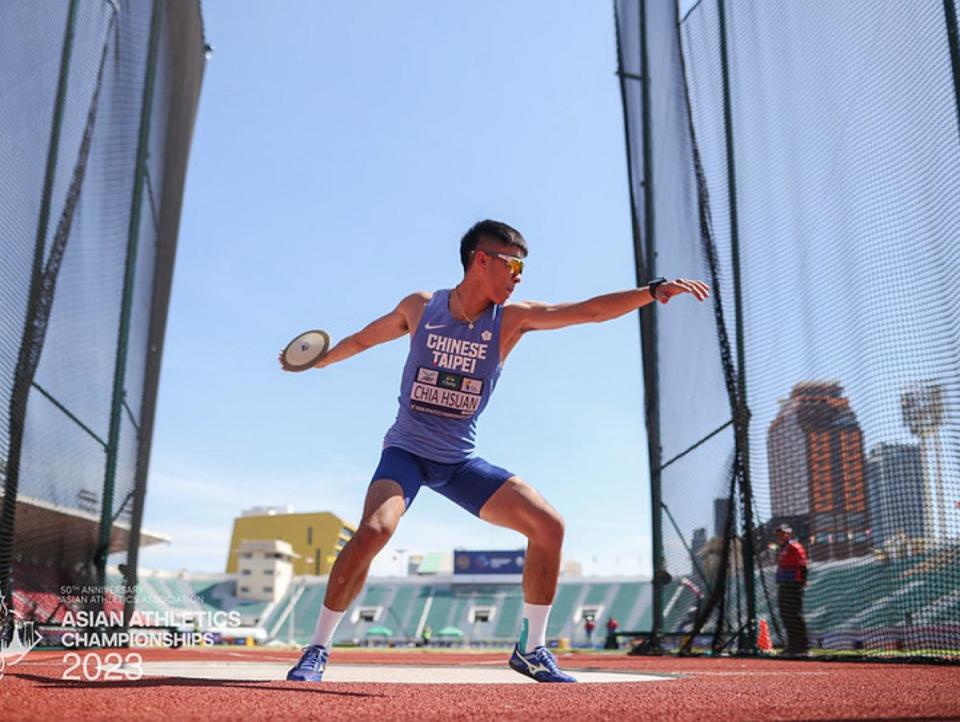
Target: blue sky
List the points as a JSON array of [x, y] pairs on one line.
[[340, 151]]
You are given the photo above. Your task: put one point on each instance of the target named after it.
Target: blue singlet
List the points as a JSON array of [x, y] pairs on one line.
[[450, 372]]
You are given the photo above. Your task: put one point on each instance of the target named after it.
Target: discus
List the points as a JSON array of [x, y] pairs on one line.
[[305, 350]]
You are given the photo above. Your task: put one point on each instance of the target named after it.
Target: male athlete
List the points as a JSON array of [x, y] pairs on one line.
[[459, 341]]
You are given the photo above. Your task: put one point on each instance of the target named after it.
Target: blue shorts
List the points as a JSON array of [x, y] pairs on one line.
[[468, 483]]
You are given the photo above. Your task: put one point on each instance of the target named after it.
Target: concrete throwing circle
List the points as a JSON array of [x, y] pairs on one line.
[[376, 673]]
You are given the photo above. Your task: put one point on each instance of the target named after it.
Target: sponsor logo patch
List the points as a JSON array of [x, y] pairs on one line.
[[445, 394], [450, 381], [427, 376], [472, 386]]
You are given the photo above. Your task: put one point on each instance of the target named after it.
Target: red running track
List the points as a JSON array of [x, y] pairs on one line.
[[708, 689]]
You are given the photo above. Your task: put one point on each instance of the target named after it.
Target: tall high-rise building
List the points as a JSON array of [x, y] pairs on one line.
[[895, 490], [697, 544], [817, 471], [721, 510], [699, 540]]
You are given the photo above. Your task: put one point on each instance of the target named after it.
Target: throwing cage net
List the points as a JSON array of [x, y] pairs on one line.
[[96, 114], [804, 160]]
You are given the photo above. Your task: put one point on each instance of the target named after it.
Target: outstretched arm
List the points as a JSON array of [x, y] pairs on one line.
[[534, 316], [388, 327]]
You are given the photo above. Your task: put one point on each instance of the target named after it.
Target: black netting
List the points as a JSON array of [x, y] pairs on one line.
[[89, 205], [815, 154]]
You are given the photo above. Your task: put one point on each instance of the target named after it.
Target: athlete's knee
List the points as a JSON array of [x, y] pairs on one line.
[[374, 533], [548, 529]]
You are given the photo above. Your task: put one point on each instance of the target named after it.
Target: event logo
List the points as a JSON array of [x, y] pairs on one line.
[[101, 639], [23, 639]]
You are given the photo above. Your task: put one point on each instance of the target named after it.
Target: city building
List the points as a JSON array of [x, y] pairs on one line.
[[895, 490], [817, 471], [698, 542], [721, 510], [264, 569], [315, 538]]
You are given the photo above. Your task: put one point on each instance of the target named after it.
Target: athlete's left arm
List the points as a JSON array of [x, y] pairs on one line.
[[536, 316]]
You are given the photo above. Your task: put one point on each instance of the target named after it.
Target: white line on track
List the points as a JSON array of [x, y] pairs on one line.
[[376, 673]]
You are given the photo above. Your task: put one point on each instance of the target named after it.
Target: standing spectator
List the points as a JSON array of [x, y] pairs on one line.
[[589, 625], [427, 634], [612, 626], [791, 581]]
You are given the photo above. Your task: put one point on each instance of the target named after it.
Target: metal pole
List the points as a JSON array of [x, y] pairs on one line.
[[742, 419], [133, 233], [644, 258], [29, 355], [183, 61], [648, 326]]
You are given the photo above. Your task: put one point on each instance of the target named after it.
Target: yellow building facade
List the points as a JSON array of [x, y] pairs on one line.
[[316, 537]]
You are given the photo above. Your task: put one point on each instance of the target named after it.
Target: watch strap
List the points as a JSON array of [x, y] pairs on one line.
[[655, 283]]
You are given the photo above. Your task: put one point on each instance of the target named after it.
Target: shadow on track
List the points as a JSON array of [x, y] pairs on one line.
[[153, 682]]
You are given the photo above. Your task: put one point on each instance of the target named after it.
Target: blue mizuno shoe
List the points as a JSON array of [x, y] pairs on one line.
[[540, 664], [311, 665]]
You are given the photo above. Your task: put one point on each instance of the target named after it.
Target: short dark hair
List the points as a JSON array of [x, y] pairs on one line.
[[491, 230]]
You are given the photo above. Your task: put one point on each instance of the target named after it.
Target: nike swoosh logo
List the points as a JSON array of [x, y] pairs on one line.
[[431, 326]]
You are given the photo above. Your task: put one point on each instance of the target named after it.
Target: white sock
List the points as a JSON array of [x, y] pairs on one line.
[[326, 626], [534, 632]]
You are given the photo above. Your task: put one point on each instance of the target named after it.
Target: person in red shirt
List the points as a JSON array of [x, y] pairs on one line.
[[612, 626], [589, 625], [791, 582]]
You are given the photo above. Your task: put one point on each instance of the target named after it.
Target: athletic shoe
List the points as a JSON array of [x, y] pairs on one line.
[[311, 665], [540, 664]]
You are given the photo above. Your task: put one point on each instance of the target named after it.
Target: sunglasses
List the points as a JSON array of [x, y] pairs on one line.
[[514, 263]]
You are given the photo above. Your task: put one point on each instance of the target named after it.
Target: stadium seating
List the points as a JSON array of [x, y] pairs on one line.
[[908, 605]]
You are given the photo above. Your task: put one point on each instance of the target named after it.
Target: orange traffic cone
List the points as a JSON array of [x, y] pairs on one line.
[[763, 637]]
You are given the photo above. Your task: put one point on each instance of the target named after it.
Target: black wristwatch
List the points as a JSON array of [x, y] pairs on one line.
[[655, 283]]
